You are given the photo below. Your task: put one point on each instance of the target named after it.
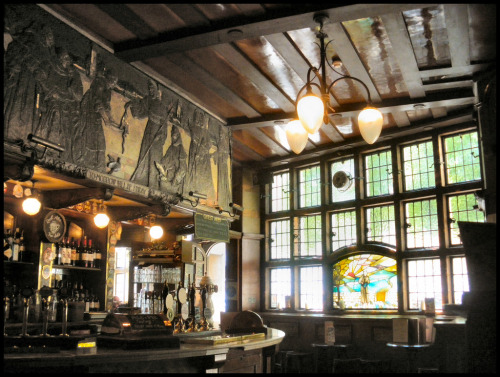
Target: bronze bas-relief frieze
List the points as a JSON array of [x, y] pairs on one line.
[[109, 117]]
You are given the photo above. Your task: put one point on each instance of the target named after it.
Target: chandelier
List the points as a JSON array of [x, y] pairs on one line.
[[313, 110]]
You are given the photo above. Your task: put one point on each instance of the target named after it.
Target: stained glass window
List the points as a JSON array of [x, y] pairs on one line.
[[309, 187], [279, 239], [418, 166], [280, 192], [280, 285], [365, 281], [343, 231]]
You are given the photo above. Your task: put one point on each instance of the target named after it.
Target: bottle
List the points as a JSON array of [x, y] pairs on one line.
[[90, 254], [22, 248], [97, 257], [15, 246], [74, 255], [59, 253], [96, 303], [7, 247], [87, 302], [85, 259], [83, 293], [66, 252], [79, 254]]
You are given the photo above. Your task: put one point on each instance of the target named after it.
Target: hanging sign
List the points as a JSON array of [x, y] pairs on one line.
[[211, 228]]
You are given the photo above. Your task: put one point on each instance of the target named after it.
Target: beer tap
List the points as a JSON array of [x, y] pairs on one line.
[[64, 294], [46, 294], [26, 293]]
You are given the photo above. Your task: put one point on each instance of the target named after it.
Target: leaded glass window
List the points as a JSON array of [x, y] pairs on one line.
[[365, 281], [309, 236], [424, 281], [380, 224], [347, 191], [378, 174], [343, 229], [418, 166], [421, 227], [309, 187], [461, 208], [462, 158], [460, 278], [280, 286], [311, 287], [279, 239], [280, 192]]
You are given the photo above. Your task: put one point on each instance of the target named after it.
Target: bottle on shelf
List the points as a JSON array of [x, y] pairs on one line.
[[98, 256], [22, 248], [83, 293], [67, 252], [74, 255], [96, 303], [90, 254], [15, 246], [7, 246], [79, 254], [59, 253], [87, 302], [85, 259]]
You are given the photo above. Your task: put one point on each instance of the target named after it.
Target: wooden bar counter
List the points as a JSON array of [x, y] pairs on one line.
[[189, 358]]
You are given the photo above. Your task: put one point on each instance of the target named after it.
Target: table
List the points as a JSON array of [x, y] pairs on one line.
[[411, 352]]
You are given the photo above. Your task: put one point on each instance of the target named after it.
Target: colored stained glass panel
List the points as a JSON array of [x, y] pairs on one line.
[[365, 281]]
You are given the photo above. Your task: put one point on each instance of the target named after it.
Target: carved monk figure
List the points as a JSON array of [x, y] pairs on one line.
[[155, 135], [173, 165]]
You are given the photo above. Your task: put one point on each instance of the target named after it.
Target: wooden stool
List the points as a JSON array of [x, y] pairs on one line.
[[297, 359], [323, 353], [346, 365]]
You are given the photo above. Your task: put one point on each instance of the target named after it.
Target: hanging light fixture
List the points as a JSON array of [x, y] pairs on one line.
[[313, 110], [156, 232], [32, 205], [101, 219], [296, 135]]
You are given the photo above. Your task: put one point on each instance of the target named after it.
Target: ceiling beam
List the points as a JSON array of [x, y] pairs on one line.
[[277, 21], [458, 97], [457, 16]]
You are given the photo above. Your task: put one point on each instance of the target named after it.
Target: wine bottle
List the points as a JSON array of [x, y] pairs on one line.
[[74, 255], [66, 252], [79, 252], [59, 253], [97, 259], [97, 304], [22, 248], [85, 259], [15, 246], [7, 247], [87, 302], [90, 254]]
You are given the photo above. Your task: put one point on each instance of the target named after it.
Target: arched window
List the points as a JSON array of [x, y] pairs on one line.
[[364, 279]]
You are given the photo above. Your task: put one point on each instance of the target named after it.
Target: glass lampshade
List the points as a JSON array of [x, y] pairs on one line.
[[156, 232], [310, 110], [101, 220], [370, 122], [31, 206], [296, 135]]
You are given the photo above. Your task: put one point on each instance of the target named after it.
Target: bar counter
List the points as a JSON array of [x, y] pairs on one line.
[[194, 358]]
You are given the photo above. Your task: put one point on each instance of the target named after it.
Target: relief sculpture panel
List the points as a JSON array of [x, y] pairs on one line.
[[108, 116]]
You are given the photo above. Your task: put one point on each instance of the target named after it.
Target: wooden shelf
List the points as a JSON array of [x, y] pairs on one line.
[[63, 267]]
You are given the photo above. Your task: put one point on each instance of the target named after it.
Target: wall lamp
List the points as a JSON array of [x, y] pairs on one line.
[[314, 110], [234, 206], [194, 194], [32, 205], [101, 219]]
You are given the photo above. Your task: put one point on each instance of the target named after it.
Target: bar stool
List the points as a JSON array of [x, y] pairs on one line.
[[327, 353], [293, 361]]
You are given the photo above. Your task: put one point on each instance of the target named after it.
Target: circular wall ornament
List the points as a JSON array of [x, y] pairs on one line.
[[54, 226]]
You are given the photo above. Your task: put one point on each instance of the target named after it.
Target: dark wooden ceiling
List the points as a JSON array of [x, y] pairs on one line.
[[245, 63]]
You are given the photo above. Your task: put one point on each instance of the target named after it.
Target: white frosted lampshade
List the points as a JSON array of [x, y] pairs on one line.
[[296, 135], [311, 110], [156, 232], [370, 122], [101, 220], [31, 206]]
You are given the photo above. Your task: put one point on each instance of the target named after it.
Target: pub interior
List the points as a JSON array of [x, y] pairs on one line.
[[171, 205]]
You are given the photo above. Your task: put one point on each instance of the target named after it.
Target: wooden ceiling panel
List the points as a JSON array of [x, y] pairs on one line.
[[482, 32], [156, 16], [246, 137]]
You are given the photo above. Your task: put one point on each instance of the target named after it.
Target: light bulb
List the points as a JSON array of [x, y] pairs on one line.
[[370, 122], [296, 135], [156, 232], [101, 220], [311, 110], [31, 206]]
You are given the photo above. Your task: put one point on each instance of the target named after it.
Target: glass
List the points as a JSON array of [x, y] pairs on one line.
[[280, 287], [365, 281], [461, 208], [418, 166], [424, 281], [280, 192], [311, 288], [462, 158], [378, 174], [343, 229], [279, 239], [380, 223], [309, 187], [309, 236], [421, 225], [349, 191]]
